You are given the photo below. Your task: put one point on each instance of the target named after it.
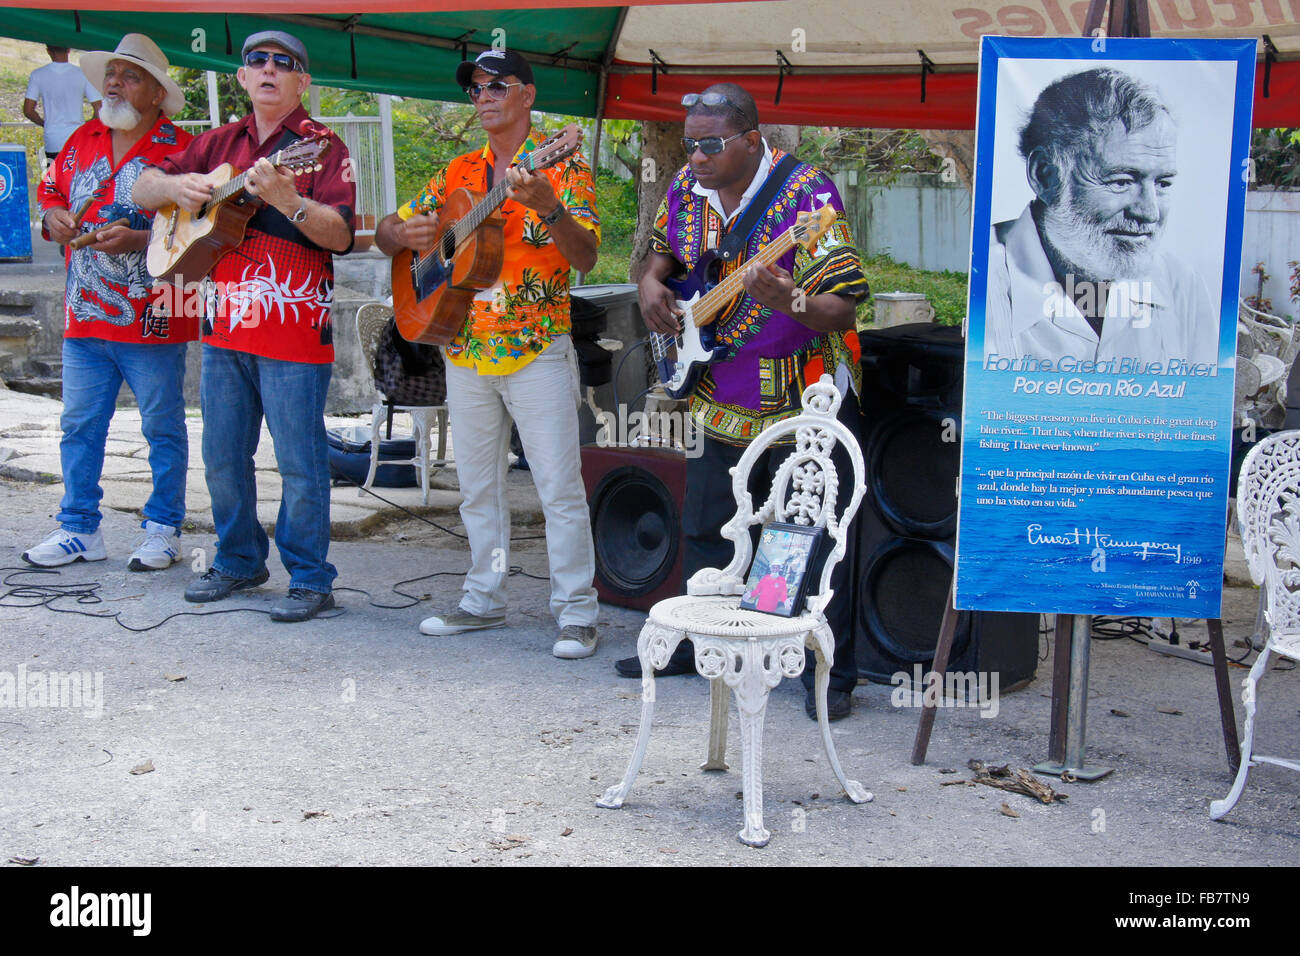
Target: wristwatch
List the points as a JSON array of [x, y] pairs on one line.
[[552, 217], [300, 215]]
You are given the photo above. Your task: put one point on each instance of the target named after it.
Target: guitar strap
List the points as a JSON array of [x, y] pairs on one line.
[[733, 243]]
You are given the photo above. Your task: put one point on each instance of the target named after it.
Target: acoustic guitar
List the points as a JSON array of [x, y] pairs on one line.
[[188, 244], [433, 289], [682, 358]]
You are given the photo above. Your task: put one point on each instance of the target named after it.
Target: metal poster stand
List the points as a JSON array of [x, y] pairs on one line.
[[1067, 738]]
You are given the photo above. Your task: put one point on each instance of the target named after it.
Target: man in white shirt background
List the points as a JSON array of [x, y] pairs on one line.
[[59, 87]]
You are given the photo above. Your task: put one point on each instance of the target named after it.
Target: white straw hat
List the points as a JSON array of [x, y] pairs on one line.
[[139, 49]]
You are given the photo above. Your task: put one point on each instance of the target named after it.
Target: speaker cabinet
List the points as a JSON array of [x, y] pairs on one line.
[[635, 496], [911, 406]]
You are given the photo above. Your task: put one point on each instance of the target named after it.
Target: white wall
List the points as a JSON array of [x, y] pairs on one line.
[[1273, 236]]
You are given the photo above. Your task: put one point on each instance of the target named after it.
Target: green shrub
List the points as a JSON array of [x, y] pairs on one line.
[[945, 290]]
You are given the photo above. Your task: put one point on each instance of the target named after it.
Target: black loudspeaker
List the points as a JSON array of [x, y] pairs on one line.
[[911, 407], [635, 496]]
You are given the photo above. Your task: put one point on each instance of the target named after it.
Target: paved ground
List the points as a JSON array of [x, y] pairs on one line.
[[356, 740]]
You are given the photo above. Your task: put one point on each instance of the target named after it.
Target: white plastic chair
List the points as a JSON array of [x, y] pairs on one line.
[[372, 319], [749, 651], [1268, 510]]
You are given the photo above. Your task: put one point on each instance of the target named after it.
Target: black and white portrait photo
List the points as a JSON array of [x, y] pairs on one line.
[[1109, 197]]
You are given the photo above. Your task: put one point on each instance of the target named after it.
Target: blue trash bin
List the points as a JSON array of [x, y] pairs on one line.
[[15, 219]]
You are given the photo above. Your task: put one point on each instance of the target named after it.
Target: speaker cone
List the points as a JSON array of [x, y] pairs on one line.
[[634, 523], [903, 594], [912, 468]]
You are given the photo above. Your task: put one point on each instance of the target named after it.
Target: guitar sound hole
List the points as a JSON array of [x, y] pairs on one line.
[[447, 248]]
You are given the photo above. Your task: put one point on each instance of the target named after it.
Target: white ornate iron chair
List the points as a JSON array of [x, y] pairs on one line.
[[750, 651], [372, 319], [1268, 510]]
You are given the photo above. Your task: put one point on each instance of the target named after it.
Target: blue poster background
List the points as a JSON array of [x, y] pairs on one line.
[[1099, 490]]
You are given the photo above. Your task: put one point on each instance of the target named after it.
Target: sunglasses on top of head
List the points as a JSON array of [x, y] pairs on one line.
[[496, 90], [283, 61]]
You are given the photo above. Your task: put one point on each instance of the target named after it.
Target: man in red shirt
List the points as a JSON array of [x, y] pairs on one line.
[[268, 343], [112, 327]]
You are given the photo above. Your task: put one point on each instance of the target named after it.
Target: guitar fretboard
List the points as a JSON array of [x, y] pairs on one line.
[[236, 184], [464, 228], [712, 302]]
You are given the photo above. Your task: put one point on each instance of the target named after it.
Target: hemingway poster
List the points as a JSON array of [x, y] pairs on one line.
[[1109, 194]]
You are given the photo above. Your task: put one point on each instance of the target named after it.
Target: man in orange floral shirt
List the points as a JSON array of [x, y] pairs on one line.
[[513, 358]]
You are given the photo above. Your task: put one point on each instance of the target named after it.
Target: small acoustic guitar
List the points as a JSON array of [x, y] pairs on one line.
[[432, 290], [188, 244]]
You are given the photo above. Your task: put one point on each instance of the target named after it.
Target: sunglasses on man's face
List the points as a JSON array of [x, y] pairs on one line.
[[283, 61], [709, 145], [496, 90]]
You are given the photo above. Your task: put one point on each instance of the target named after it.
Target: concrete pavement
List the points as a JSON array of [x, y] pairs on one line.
[[356, 740], [29, 451]]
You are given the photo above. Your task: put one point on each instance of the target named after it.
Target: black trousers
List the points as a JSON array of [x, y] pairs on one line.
[[710, 504]]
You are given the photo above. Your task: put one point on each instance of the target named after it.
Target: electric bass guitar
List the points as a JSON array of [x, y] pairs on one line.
[[433, 289], [188, 244], [682, 359]]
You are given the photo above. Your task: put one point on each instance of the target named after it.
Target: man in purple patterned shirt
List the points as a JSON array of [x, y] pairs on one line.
[[794, 322]]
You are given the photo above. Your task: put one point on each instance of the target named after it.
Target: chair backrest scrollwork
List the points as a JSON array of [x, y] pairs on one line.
[[806, 488], [1268, 511]]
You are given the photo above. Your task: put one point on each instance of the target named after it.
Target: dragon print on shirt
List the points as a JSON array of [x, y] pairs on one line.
[[101, 286]]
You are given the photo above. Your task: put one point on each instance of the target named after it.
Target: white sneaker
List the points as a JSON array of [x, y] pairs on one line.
[[575, 642], [458, 621], [62, 547], [160, 549]]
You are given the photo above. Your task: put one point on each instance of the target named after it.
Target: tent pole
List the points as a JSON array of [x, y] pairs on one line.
[[214, 104], [602, 83]]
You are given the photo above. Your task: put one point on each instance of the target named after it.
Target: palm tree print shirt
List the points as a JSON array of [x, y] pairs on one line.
[[510, 323]]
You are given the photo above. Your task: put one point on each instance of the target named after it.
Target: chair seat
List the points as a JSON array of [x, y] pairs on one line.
[[1287, 643], [722, 616]]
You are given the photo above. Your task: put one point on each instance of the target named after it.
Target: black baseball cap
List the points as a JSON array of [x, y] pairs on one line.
[[285, 41], [496, 62]]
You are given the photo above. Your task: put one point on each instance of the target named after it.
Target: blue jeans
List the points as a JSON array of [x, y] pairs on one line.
[[236, 390], [93, 372]]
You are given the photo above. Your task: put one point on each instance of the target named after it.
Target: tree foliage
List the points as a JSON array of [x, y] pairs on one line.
[[879, 153], [1276, 153]]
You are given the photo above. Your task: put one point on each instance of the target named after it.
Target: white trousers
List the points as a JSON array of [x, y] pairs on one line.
[[542, 398]]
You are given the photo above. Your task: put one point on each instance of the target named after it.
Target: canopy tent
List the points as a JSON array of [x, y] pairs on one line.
[[811, 62]]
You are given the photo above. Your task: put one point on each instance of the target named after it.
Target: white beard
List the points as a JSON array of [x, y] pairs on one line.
[[119, 114], [1083, 241]]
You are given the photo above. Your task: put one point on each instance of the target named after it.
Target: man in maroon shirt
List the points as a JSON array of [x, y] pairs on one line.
[[113, 328], [267, 337]]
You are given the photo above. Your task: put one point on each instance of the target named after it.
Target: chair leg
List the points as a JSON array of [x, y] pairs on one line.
[[822, 641], [376, 416], [442, 435], [653, 647], [751, 767], [420, 425], [1220, 808], [720, 698]]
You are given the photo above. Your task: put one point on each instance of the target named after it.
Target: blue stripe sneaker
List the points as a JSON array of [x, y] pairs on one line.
[[62, 547], [160, 549]]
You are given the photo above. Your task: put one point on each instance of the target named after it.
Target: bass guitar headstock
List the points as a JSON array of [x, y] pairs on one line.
[[811, 226]]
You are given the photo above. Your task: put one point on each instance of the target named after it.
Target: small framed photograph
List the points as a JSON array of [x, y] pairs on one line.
[[780, 574]]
